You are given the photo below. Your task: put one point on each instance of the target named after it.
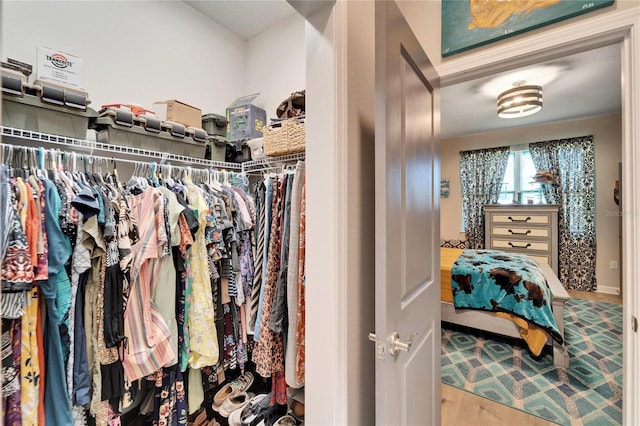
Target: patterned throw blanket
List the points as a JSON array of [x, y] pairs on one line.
[[498, 281]]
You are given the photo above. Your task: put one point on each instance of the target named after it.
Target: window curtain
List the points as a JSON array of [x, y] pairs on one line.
[[481, 175], [572, 161]]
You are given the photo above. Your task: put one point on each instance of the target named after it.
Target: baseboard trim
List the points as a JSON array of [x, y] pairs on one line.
[[608, 290]]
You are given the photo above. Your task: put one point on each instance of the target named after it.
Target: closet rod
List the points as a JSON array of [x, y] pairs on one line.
[[162, 157], [34, 150], [271, 162]]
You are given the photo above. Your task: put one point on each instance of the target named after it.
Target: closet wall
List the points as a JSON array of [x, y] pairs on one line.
[[275, 63], [607, 137], [142, 52]]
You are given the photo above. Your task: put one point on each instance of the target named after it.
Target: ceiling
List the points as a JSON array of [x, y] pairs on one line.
[[582, 85], [245, 18], [577, 86]]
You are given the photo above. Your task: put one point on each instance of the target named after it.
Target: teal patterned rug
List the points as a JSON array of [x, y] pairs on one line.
[[589, 392]]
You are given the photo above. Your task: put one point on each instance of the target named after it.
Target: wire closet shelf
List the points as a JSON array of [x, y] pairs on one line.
[[89, 147]]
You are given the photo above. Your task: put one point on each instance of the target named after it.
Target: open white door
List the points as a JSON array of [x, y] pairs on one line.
[[407, 323]]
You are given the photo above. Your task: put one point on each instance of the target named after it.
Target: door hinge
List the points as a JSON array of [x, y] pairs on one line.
[[634, 324]]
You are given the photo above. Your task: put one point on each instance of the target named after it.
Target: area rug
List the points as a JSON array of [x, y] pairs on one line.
[[589, 392]]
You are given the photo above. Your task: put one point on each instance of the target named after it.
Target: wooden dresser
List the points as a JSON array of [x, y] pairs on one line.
[[524, 228]]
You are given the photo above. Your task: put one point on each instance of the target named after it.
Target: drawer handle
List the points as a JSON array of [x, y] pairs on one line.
[[520, 233], [519, 220], [517, 246]]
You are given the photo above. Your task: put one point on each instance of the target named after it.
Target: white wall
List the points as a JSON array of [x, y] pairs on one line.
[[275, 63], [146, 51], [607, 137], [133, 51]]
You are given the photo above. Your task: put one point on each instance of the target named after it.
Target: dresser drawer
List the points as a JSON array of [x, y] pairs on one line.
[[521, 244], [540, 258], [519, 232], [521, 219], [524, 229]]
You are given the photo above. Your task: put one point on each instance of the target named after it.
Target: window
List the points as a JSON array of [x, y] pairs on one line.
[[518, 185]]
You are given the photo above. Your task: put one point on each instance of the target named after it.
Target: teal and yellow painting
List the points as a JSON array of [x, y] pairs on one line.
[[471, 23]]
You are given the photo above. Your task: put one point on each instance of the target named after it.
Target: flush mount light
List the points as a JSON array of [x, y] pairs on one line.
[[520, 101]]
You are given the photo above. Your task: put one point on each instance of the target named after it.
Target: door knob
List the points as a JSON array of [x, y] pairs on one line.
[[395, 344]]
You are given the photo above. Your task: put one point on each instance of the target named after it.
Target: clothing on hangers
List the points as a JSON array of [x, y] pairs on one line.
[[163, 277]]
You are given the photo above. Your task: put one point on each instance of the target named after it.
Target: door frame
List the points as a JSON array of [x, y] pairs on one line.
[[623, 27], [329, 396]]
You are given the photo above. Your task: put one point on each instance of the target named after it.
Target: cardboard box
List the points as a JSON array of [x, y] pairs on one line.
[[245, 120], [59, 67], [179, 112]]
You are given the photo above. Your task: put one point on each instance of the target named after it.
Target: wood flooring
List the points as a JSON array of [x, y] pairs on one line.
[[461, 408]]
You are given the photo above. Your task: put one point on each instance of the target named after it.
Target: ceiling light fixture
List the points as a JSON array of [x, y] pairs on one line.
[[521, 101]]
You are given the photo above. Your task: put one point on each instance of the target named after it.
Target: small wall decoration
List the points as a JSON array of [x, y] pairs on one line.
[[471, 23], [444, 188]]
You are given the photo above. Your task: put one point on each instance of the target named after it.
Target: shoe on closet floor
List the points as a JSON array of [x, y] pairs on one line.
[[240, 384], [297, 410], [234, 402], [286, 420], [273, 413], [252, 413], [198, 418]]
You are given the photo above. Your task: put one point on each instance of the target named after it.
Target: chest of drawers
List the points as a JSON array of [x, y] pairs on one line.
[[528, 229]]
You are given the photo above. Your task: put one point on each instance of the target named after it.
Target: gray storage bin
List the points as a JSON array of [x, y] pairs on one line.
[[216, 148], [136, 136], [30, 113], [214, 124]]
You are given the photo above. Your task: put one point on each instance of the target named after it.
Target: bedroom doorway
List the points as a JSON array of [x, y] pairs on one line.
[[615, 29]]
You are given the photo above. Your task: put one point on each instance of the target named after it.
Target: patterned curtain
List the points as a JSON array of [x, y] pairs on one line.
[[572, 161], [481, 175]]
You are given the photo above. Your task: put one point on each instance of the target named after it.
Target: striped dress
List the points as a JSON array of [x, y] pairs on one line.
[[149, 339]]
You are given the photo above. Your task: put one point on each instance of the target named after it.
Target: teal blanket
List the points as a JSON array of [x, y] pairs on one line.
[[498, 281]]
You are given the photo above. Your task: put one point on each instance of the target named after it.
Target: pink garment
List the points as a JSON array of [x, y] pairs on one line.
[[149, 338]]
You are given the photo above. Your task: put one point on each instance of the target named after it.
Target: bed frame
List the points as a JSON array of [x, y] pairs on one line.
[[487, 322]]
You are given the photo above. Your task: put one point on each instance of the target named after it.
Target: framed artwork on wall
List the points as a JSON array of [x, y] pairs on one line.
[[471, 23], [444, 188]]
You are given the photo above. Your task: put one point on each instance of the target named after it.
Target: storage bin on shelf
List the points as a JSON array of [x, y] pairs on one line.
[[237, 152], [121, 127], [284, 137], [256, 146], [215, 124], [216, 148], [44, 107]]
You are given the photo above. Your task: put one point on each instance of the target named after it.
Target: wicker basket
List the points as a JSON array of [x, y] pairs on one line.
[[286, 137]]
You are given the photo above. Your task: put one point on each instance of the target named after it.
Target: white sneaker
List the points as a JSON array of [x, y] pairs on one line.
[[234, 402], [286, 420], [235, 418]]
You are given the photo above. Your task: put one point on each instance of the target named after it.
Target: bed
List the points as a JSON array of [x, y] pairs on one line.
[[503, 323]]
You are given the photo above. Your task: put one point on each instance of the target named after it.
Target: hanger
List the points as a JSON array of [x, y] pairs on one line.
[[215, 182], [169, 179], [114, 172], [9, 159], [153, 174], [40, 169]]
